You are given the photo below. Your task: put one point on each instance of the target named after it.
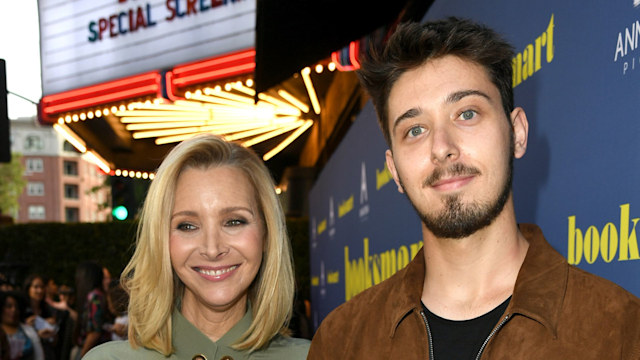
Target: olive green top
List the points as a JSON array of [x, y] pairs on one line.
[[189, 343]]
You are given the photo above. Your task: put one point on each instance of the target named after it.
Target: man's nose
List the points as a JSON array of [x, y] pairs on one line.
[[444, 145]]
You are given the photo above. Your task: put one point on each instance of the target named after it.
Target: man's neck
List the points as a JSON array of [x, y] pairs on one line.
[[468, 277]]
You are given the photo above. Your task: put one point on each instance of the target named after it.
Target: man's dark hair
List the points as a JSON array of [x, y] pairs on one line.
[[413, 44]]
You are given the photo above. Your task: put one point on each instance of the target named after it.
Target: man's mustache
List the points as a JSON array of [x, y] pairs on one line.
[[456, 169]]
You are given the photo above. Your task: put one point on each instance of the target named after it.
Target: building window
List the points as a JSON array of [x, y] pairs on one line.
[[36, 212], [35, 189], [66, 146], [70, 191], [34, 165], [33, 143], [70, 168], [71, 214]]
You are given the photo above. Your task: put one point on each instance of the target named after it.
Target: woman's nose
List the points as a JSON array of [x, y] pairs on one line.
[[214, 245]]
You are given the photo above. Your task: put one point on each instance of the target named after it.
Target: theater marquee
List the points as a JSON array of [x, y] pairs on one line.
[[90, 42]]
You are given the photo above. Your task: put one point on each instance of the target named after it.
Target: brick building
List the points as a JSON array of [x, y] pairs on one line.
[[61, 185]]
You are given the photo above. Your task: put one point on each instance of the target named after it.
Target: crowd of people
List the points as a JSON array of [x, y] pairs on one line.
[[42, 320]]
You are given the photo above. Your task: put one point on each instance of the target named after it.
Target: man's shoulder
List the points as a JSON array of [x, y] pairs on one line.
[[365, 322], [548, 267], [360, 307], [596, 288]]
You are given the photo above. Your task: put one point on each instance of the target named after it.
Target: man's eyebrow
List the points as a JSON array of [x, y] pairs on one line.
[[411, 113], [459, 95]]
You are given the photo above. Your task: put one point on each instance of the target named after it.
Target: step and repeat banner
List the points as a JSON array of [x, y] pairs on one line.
[[577, 75]]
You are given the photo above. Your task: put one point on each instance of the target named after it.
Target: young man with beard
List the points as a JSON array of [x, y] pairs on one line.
[[483, 287]]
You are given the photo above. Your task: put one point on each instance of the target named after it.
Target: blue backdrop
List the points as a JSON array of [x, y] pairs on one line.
[[577, 73]]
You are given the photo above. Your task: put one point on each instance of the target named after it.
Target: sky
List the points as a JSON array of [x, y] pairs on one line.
[[20, 48]]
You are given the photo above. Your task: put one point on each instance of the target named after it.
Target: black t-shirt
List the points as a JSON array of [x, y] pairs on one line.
[[462, 340]]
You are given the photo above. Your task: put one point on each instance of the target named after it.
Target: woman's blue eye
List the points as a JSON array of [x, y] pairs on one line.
[[467, 114], [415, 131]]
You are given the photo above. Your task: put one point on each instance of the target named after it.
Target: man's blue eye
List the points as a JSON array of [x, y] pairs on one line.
[[468, 115], [415, 131]]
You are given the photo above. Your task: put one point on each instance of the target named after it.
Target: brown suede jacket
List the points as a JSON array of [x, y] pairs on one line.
[[557, 311]]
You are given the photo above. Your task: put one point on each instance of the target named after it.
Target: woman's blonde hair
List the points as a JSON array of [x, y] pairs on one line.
[[154, 288]]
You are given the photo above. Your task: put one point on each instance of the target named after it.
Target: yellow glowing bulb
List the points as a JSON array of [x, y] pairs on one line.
[[98, 113], [227, 86], [105, 111], [83, 116], [152, 176], [249, 82], [331, 66], [90, 115], [319, 68], [60, 120], [75, 118], [145, 175]]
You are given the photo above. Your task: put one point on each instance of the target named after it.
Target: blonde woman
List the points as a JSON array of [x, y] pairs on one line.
[[212, 275]]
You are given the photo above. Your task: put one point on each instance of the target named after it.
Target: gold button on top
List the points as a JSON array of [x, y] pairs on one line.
[[226, 357], [199, 357]]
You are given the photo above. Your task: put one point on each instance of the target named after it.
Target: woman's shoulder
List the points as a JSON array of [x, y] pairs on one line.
[[284, 347], [120, 349]]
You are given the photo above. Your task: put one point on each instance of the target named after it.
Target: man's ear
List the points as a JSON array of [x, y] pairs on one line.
[[520, 132], [391, 165]]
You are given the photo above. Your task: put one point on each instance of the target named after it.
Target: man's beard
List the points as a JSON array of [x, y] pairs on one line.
[[458, 220]]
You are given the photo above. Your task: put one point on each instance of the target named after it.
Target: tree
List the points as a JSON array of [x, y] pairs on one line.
[[11, 184]]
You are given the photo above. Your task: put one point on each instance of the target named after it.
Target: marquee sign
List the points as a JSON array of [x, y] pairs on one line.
[[90, 42]]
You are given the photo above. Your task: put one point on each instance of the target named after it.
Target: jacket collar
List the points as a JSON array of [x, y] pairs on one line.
[[188, 340], [409, 293], [538, 292], [542, 281]]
